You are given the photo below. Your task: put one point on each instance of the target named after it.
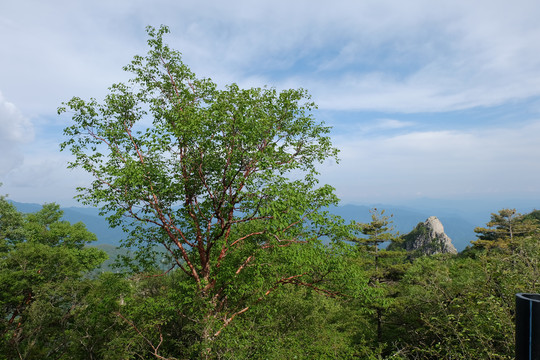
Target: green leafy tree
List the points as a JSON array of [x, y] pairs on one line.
[[41, 264], [295, 323], [95, 331], [47, 228], [205, 172], [11, 224], [534, 216], [455, 308]]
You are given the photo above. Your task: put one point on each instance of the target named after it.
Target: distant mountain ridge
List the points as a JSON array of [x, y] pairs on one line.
[[459, 229], [89, 216]]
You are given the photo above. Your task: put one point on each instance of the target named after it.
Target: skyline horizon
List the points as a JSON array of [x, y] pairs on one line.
[[459, 226]]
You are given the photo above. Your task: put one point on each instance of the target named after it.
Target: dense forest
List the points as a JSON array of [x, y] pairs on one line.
[[232, 254], [368, 302]]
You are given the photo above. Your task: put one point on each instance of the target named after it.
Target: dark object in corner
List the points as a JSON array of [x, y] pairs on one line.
[[527, 326]]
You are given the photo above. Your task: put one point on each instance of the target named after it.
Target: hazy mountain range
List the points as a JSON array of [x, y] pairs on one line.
[[458, 223]]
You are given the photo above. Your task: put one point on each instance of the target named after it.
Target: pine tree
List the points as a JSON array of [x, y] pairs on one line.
[[504, 229]]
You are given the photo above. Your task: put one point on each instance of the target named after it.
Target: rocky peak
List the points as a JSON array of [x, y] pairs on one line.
[[428, 238]]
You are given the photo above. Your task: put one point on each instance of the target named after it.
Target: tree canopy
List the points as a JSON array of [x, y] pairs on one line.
[[42, 260], [222, 178]]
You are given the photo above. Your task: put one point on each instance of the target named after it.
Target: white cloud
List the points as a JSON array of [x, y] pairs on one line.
[[15, 131], [439, 164], [434, 56], [43, 177], [377, 126], [387, 124]]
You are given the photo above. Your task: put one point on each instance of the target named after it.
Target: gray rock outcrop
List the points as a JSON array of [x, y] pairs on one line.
[[428, 238]]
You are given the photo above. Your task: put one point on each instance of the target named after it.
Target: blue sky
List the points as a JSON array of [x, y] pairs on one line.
[[427, 99]]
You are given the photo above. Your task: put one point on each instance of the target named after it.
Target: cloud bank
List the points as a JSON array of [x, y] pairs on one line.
[[411, 56], [438, 164], [397, 78]]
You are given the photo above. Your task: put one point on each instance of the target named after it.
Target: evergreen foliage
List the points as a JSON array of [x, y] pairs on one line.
[[504, 227]]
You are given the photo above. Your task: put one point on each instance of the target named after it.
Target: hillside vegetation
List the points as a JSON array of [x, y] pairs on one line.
[[55, 305]]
